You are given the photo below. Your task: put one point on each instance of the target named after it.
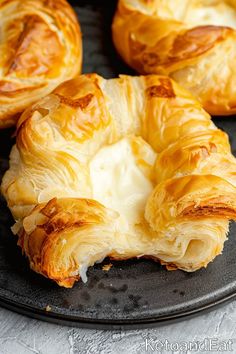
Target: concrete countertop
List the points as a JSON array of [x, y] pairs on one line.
[[23, 335]]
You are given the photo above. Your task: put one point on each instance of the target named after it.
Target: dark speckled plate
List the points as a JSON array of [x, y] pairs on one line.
[[134, 293]]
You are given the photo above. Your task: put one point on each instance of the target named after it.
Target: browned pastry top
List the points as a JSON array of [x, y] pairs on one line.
[[40, 47]]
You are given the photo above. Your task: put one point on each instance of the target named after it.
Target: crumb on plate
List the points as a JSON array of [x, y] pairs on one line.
[[107, 267], [48, 308]]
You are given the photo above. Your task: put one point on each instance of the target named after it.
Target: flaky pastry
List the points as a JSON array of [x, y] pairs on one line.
[[127, 167], [40, 47], [192, 41]]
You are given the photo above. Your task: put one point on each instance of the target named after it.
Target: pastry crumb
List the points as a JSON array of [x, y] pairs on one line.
[[48, 308], [107, 267], [171, 267]]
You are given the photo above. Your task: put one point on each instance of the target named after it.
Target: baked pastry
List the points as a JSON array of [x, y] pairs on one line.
[[40, 48], [124, 168], [192, 41]]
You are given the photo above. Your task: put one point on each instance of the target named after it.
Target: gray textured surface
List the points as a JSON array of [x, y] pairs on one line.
[[22, 335]]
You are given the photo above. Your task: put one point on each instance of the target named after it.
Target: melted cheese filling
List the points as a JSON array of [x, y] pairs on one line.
[[121, 177]]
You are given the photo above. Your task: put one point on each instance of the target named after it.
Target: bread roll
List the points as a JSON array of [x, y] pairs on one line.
[[124, 168], [40, 47], [192, 41]]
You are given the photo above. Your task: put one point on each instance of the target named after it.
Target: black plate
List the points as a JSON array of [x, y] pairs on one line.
[[132, 293]]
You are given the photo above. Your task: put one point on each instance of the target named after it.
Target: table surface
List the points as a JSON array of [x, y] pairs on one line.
[[23, 335]]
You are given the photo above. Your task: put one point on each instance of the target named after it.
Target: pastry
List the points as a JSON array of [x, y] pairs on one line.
[[126, 167], [192, 41], [40, 47]]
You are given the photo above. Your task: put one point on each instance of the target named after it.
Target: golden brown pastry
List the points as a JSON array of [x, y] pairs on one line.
[[40, 47], [124, 168], [192, 41]]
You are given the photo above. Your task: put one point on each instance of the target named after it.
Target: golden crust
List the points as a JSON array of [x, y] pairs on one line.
[[127, 167], [184, 40], [47, 231], [40, 48], [191, 196]]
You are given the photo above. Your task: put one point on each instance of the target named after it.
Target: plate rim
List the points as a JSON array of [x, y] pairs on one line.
[[125, 324]]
